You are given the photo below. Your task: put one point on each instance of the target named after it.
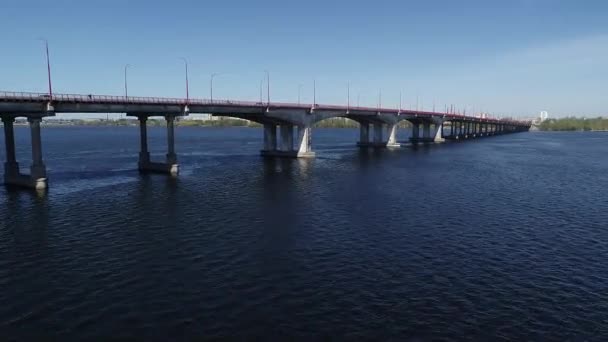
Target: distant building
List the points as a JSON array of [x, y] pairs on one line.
[[543, 116], [199, 117]]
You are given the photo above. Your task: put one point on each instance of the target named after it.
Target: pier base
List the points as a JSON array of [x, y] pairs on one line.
[[144, 165], [285, 147], [378, 140], [287, 154], [12, 175]]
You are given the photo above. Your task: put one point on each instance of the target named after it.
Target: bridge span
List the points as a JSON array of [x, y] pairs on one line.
[[378, 126]]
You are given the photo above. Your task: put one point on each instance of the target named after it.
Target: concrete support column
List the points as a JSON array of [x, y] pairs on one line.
[[270, 137], [304, 147], [38, 169], [286, 148], [144, 155], [286, 137], [415, 131], [171, 156], [378, 139], [392, 135], [11, 167], [172, 165], [363, 133], [426, 131], [438, 133]]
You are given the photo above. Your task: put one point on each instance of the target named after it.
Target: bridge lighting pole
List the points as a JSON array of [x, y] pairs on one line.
[[314, 93], [126, 89], [267, 86], [400, 102], [348, 96], [211, 85], [187, 87], [379, 99], [48, 67]]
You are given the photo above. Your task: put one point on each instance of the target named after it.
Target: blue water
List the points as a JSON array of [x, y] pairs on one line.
[[503, 238]]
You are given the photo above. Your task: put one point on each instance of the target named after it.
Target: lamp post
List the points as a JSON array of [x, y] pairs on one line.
[[187, 87], [48, 67], [267, 86], [211, 85], [126, 88], [314, 93], [348, 96]]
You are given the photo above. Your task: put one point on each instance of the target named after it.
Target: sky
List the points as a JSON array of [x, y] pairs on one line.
[[513, 58]]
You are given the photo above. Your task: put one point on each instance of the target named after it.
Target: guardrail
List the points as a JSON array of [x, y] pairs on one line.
[[125, 100]]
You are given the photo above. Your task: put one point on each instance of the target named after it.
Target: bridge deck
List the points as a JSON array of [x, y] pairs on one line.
[[27, 102]]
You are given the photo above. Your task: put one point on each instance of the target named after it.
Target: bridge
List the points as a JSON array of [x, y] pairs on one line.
[[378, 126]]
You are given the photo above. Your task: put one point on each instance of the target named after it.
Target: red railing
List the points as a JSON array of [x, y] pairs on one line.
[[111, 99]]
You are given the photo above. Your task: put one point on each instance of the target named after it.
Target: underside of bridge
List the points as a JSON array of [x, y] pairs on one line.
[[287, 131]]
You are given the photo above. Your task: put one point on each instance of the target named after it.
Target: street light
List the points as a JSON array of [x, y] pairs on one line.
[[211, 84], [48, 67], [267, 86], [314, 93], [187, 88], [379, 99], [126, 89], [348, 96]]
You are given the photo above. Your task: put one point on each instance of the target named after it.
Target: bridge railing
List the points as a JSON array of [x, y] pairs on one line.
[[113, 99]]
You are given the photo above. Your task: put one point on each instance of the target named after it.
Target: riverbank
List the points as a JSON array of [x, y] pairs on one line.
[[571, 124]]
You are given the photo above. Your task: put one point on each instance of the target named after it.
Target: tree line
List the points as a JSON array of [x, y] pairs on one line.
[[574, 124]]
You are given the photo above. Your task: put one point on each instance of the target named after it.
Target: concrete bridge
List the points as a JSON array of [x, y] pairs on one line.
[[287, 126]]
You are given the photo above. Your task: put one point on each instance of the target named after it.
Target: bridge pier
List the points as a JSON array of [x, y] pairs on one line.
[[12, 176], [378, 135], [363, 134], [285, 146], [426, 131], [428, 135], [438, 133], [170, 165], [392, 136], [415, 132]]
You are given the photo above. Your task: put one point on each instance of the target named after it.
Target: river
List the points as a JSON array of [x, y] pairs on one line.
[[498, 238]]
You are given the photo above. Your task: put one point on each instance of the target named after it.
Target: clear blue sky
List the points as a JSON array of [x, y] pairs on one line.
[[513, 57]]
